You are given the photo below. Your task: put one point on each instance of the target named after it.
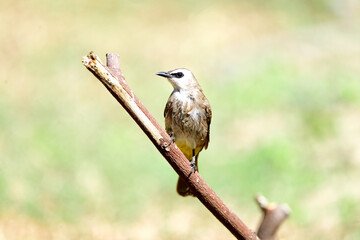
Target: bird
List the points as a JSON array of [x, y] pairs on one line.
[[187, 119]]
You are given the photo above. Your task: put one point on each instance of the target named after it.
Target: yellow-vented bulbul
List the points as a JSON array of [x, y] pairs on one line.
[[187, 118]]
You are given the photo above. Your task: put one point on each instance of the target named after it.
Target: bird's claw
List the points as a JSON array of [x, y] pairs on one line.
[[171, 141], [193, 167]]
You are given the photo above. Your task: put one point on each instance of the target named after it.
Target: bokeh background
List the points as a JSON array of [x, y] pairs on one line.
[[282, 78]]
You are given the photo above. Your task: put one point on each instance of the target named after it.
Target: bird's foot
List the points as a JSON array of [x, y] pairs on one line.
[[193, 165], [171, 141]]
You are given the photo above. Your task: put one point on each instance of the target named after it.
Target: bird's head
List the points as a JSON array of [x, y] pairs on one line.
[[181, 79]]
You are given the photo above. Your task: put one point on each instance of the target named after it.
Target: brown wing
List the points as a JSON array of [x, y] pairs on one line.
[[208, 115], [168, 115]]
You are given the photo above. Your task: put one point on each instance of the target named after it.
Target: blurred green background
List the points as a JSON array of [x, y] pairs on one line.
[[282, 78]]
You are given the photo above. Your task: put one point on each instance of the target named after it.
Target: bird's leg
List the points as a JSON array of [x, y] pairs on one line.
[[172, 139], [193, 162]]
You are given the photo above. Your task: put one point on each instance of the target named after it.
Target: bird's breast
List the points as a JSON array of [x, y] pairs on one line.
[[188, 120]]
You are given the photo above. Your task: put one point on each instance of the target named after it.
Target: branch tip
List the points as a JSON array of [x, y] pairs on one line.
[[85, 60], [261, 201]]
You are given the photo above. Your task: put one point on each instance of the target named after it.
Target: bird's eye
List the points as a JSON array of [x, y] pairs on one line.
[[178, 74]]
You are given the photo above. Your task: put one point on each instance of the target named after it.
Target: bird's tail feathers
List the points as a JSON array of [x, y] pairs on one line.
[[181, 187]]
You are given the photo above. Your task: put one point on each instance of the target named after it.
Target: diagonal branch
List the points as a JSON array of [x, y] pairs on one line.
[[114, 81]]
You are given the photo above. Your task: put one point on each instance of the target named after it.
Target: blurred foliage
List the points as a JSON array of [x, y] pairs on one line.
[[283, 82]]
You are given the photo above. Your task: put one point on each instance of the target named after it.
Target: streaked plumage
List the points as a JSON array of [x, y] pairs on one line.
[[187, 117]]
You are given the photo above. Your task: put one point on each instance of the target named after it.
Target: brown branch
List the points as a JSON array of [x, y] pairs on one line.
[[274, 216], [114, 81]]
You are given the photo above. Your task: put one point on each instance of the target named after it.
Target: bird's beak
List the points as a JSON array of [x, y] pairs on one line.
[[164, 74]]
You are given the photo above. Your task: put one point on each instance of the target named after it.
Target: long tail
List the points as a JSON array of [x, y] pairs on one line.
[[181, 187]]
